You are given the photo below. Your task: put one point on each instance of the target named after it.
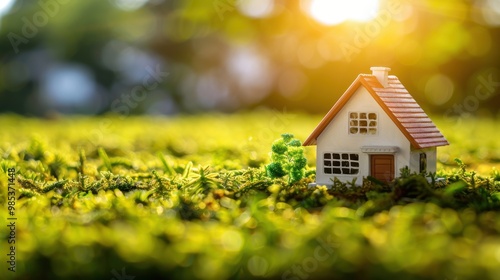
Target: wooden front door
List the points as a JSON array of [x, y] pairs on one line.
[[382, 167]]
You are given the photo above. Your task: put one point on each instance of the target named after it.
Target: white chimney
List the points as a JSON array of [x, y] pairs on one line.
[[381, 73]]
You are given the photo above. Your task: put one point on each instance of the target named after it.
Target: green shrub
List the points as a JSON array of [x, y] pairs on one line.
[[287, 159]]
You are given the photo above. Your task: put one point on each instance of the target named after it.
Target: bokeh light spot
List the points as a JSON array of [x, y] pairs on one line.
[[68, 85], [258, 266], [5, 6], [491, 12], [232, 241], [439, 89], [256, 8], [331, 12], [251, 72], [129, 5]]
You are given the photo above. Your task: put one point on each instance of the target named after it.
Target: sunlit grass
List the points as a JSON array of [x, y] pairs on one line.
[[188, 198]]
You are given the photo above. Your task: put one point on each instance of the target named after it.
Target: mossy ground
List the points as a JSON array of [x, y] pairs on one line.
[[188, 197]]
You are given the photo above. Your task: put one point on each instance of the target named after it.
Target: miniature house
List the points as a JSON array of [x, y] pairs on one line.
[[375, 129]]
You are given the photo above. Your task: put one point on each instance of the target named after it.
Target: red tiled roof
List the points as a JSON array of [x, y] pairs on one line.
[[399, 106]]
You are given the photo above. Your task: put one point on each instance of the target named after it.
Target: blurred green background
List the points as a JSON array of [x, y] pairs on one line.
[[170, 56]]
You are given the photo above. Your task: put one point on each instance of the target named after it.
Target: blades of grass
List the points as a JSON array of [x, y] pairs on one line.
[[6, 164], [375, 181], [187, 169], [166, 167], [82, 159], [455, 188], [27, 193], [496, 196], [158, 178], [53, 186], [28, 183], [121, 162], [81, 178], [105, 159]]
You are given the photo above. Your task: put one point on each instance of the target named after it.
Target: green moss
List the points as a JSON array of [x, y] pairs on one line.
[[190, 198]]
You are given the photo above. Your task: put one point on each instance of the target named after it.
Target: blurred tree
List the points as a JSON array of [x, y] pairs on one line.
[[229, 55]]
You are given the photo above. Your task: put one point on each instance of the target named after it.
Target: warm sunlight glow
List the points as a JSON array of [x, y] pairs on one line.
[[5, 5], [331, 12]]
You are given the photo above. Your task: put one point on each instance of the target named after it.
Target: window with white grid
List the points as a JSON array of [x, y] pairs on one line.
[[363, 123], [341, 163]]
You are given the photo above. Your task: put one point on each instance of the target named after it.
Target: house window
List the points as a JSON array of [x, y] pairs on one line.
[[423, 162], [341, 163], [363, 123]]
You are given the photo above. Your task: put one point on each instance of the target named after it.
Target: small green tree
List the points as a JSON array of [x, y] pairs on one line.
[[287, 159]]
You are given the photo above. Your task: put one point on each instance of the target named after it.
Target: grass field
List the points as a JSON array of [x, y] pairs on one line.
[[188, 198]]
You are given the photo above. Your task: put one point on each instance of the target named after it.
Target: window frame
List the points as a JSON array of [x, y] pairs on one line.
[[355, 123], [337, 163]]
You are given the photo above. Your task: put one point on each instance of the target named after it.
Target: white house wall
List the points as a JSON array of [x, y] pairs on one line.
[[336, 139], [431, 159]]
